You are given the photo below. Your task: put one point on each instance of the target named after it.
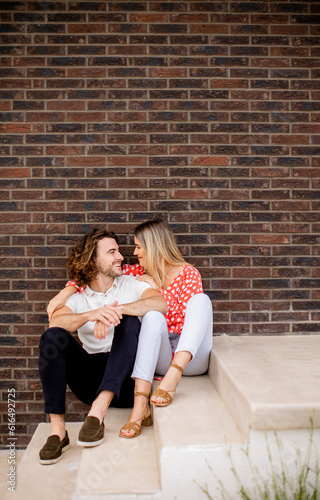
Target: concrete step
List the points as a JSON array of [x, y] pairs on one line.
[[254, 384], [270, 382], [125, 469], [195, 428], [51, 482], [117, 467], [197, 417]]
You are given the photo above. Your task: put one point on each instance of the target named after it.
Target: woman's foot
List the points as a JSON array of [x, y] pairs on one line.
[[140, 415], [163, 395]]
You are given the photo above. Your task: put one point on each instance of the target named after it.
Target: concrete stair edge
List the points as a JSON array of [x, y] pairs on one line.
[[273, 387]]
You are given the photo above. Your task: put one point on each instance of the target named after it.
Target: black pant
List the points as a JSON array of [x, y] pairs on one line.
[[63, 361]]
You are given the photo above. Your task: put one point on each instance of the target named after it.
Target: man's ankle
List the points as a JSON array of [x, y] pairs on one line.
[[59, 432]]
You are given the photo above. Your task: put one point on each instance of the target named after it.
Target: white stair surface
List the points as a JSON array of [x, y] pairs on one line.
[[124, 468], [254, 384], [118, 465], [269, 382]]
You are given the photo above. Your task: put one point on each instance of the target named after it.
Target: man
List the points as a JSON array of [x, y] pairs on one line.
[[105, 315]]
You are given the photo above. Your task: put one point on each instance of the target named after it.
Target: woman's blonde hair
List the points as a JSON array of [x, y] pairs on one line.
[[158, 241]]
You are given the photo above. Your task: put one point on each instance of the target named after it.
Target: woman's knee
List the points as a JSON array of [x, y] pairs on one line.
[[154, 324], [200, 300]]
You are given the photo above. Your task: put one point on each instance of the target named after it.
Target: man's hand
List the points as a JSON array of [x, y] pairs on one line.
[[100, 330], [108, 315]]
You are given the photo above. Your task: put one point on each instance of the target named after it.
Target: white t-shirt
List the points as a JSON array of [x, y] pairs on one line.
[[125, 289]]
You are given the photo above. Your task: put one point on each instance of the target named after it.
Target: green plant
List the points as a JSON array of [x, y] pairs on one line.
[[304, 484]]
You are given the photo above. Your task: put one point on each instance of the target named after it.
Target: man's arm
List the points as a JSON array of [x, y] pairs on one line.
[[65, 317], [150, 300]]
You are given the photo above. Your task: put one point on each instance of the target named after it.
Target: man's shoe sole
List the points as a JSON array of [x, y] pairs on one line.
[[90, 444]]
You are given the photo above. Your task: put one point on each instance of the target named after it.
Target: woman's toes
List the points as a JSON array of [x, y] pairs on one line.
[[127, 433]]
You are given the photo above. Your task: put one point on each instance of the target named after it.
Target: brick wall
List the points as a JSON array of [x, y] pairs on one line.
[[206, 113]]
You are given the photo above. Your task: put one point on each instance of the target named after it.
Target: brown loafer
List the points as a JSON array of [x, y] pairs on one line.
[[91, 432], [52, 451]]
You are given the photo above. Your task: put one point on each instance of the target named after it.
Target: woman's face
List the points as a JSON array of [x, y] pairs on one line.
[[139, 252]]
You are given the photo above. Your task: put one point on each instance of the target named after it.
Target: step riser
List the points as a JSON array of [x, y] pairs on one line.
[[230, 394]]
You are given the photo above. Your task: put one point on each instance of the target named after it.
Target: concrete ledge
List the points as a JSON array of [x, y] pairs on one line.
[[196, 417], [116, 469], [268, 382], [119, 467], [50, 482]]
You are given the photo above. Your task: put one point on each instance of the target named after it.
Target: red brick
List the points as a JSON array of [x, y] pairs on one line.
[[86, 161], [206, 117], [85, 117], [66, 105], [208, 28], [15, 172]]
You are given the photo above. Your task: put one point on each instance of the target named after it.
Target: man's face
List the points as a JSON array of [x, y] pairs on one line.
[[109, 258]]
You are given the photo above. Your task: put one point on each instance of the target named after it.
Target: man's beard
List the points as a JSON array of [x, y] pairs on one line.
[[110, 272]]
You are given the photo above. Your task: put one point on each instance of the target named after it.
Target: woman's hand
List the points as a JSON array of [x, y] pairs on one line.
[[147, 279], [59, 300]]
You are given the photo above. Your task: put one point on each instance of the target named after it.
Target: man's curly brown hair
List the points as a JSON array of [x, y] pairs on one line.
[[81, 263]]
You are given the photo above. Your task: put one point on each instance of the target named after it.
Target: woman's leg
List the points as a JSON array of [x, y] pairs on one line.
[[196, 335], [153, 335], [194, 346], [141, 410]]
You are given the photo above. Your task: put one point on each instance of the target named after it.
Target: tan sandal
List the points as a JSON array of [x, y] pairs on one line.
[[134, 426], [160, 393]]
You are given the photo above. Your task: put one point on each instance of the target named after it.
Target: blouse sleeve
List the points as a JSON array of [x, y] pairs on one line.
[[135, 270], [186, 285], [73, 283]]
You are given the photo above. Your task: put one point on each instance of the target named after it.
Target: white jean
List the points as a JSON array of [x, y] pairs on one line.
[[154, 353]]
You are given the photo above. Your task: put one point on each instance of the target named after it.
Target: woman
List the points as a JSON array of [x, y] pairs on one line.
[[183, 342]]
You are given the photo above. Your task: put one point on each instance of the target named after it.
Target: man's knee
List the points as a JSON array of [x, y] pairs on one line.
[[55, 336], [129, 327], [53, 341]]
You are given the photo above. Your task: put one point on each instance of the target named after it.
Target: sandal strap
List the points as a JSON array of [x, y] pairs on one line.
[[160, 393], [132, 426], [174, 365], [144, 394]]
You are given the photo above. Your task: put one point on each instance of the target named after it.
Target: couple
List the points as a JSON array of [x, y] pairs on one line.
[[119, 355]]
